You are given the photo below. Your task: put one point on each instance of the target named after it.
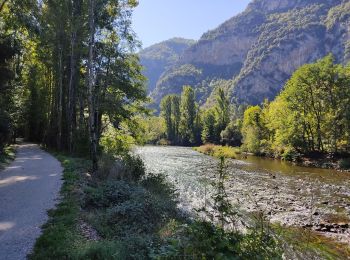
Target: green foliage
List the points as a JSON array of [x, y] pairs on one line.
[[232, 134], [8, 50], [345, 164], [201, 240], [131, 213], [153, 129], [209, 134], [181, 117], [106, 250], [186, 124], [252, 129], [189, 71], [310, 115], [218, 151], [188, 115], [290, 154], [170, 110], [222, 109], [47, 73], [126, 167], [7, 154], [317, 98]]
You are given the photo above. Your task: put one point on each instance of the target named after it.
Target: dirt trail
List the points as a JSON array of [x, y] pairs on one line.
[[28, 188]]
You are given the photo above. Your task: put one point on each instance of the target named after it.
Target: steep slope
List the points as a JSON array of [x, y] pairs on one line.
[[287, 40], [260, 48], [159, 57]]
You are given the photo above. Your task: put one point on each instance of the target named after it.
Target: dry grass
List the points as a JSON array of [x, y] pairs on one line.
[[217, 150]]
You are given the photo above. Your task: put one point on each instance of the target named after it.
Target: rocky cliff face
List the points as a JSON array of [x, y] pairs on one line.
[[157, 58], [259, 49]]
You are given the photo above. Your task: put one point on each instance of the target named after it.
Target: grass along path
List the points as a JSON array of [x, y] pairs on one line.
[[7, 156]]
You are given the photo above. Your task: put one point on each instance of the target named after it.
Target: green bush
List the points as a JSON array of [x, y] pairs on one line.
[[218, 150], [104, 250], [130, 208], [134, 167], [204, 240], [290, 155], [131, 212], [128, 167], [345, 164]]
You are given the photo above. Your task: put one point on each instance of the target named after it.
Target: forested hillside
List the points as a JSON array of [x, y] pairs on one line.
[[157, 58], [260, 49]]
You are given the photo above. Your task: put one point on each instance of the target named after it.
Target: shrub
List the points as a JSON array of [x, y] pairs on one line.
[[201, 240], [217, 151], [225, 151], [129, 208], [206, 149], [134, 167], [129, 167], [290, 155], [163, 142], [104, 250], [345, 164]]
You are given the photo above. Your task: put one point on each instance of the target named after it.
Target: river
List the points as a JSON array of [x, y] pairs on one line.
[[287, 194]]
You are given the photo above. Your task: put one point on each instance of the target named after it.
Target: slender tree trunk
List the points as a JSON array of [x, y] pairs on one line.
[[73, 77], [81, 112], [90, 87], [60, 99], [71, 92]]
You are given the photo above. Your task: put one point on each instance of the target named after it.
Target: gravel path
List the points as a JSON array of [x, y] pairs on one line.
[[28, 188]]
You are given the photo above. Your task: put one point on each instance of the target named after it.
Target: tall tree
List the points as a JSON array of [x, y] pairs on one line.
[[222, 109], [166, 112], [209, 134], [188, 115]]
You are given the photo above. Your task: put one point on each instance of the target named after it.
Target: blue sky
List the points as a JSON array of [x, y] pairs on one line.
[[158, 20]]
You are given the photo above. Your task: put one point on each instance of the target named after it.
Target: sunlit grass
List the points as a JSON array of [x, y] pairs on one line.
[[311, 244], [218, 150]]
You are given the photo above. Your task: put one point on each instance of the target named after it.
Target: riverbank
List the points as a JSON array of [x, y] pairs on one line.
[[326, 162], [317, 160], [124, 213]]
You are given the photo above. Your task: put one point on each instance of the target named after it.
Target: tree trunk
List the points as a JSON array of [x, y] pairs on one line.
[[90, 87], [71, 93], [60, 99]]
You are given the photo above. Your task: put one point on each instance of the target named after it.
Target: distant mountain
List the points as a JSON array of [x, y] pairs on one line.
[[255, 52], [157, 58]]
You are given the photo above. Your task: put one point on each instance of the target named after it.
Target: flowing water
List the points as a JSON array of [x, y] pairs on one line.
[[287, 194]]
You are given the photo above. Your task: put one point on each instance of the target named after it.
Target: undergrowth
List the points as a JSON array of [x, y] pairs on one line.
[[6, 156], [310, 245]]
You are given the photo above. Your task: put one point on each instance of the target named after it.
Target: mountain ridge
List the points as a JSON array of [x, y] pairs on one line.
[[258, 50], [158, 57]]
